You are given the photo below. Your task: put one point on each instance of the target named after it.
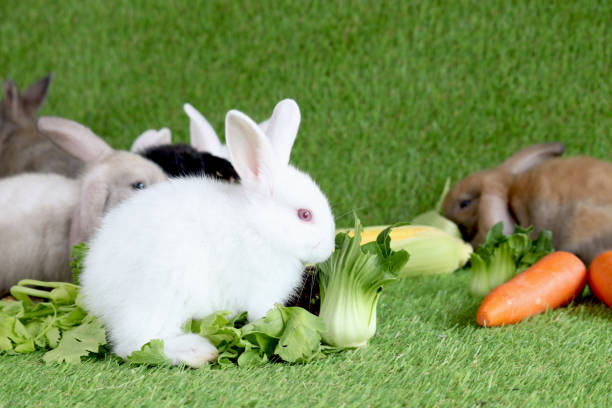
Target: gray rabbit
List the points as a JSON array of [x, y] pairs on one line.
[[22, 147]]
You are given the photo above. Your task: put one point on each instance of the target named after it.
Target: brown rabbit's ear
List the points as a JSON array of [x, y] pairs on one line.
[[36, 94], [493, 206], [531, 156], [89, 210], [493, 209]]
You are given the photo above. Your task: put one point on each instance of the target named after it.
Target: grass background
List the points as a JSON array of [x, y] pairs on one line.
[[395, 97]]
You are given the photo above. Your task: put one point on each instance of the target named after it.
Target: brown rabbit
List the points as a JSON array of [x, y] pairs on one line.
[[572, 197], [22, 147]]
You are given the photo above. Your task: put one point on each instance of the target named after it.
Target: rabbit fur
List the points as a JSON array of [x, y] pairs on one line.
[[195, 245], [205, 155], [181, 159], [45, 214], [22, 147], [570, 196]]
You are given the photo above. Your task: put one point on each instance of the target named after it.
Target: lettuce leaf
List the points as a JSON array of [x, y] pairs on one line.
[[501, 257]]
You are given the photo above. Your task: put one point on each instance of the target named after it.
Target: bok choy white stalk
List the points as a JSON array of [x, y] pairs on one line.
[[351, 281]]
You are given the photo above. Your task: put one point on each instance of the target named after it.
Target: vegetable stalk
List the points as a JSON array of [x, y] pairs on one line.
[[351, 281]]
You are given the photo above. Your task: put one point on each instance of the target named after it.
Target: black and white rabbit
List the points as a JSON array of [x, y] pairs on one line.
[[205, 155]]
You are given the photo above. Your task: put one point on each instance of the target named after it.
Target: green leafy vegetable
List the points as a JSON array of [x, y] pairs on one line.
[[503, 256], [151, 353], [351, 281], [58, 324], [77, 342], [289, 334]]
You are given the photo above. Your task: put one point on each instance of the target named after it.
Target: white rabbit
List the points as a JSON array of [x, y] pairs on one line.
[[193, 246], [44, 214]]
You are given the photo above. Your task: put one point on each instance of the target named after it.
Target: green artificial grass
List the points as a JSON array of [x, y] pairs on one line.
[[396, 96]]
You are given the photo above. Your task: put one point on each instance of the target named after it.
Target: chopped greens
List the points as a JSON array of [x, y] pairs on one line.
[[289, 334], [501, 257], [58, 325]]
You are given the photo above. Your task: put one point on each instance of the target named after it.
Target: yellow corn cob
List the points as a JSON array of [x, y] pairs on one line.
[[432, 251]]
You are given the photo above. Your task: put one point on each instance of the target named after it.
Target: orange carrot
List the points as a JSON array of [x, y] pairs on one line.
[[599, 277], [549, 283]]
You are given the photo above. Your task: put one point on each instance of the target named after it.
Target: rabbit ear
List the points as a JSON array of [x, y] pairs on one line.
[[89, 210], [282, 128], [11, 96], [201, 133], [151, 138], [264, 125], [250, 151], [532, 156], [493, 208], [36, 94], [74, 138]]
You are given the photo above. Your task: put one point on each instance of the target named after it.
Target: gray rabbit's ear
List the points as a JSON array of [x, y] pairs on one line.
[[88, 212], [74, 138], [250, 152], [282, 128], [11, 96], [202, 135], [151, 138], [531, 156], [36, 94]]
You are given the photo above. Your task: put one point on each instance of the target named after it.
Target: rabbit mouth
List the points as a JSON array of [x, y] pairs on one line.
[[467, 233]]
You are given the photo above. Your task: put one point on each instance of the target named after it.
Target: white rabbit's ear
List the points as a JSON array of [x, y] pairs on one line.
[[264, 125], [250, 151], [151, 138], [74, 138], [201, 133], [531, 156], [282, 128], [89, 210]]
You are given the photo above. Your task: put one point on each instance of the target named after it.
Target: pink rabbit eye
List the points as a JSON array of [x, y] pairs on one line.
[[304, 214]]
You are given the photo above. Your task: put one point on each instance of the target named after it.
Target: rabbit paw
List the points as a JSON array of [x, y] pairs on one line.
[[191, 349]]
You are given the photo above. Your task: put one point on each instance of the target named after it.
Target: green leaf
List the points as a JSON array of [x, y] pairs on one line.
[[151, 353], [271, 324], [6, 332], [252, 358], [53, 337], [503, 256], [25, 347], [78, 342], [301, 339]]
